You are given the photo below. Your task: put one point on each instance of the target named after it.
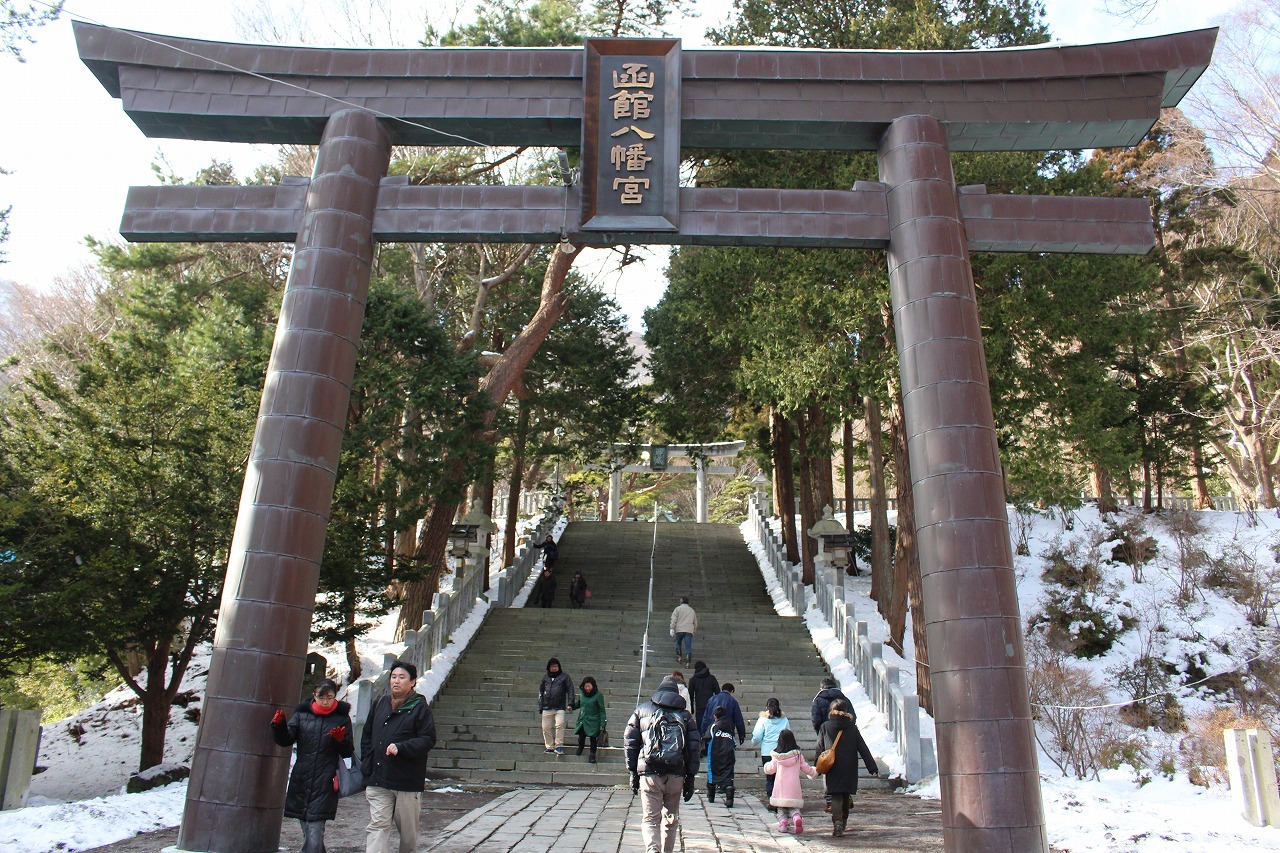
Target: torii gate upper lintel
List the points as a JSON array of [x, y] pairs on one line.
[[632, 104]]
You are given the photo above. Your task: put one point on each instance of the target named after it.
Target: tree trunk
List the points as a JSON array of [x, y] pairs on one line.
[[904, 552], [432, 543], [807, 518], [520, 442], [156, 701], [486, 506], [352, 653], [1200, 478], [499, 382], [820, 453], [846, 445], [1100, 480], [924, 687], [880, 579], [784, 485]]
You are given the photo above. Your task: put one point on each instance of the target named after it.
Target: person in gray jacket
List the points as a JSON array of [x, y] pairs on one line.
[[661, 786], [555, 699], [684, 624]]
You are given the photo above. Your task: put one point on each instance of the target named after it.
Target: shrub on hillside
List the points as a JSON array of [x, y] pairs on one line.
[[1084, 624], [1134, 546], [1073, 566], [1253, 583], [1187, 531], [1082, 736], [1146, 682]]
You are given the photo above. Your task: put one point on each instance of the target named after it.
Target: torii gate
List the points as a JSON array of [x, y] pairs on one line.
[[913, 108], [699, 453]]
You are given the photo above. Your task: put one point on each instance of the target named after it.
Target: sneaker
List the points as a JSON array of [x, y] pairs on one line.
[[548, 751], [782, 826], [559, 750], [838, 830], [798, 823]]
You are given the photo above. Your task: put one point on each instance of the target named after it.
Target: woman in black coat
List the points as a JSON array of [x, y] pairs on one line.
[[842, 779], [321, 729]]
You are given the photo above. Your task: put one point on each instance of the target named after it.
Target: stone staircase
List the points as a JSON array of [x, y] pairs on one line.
[[486, 716]]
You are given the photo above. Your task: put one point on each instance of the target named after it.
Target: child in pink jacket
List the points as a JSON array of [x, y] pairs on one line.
[[785, 767]]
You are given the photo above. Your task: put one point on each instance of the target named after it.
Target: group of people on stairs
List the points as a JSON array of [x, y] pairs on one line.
[[664, 742]]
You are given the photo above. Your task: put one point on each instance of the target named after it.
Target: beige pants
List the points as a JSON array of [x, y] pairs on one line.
[[553, 729], [387, 807], [661, 796]]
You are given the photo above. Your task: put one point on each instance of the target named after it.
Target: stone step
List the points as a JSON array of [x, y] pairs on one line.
[[486, 715]]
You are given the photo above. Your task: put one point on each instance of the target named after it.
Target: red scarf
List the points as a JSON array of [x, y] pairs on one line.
[[317, 710]]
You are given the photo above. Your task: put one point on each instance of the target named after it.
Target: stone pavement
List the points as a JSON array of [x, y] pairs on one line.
[[607, 820]]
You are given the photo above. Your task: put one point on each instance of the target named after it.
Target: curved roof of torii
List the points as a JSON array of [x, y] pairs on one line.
[[1032, 98]]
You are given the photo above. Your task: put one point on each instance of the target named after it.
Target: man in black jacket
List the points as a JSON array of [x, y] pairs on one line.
[[398, 735], [661, 787]]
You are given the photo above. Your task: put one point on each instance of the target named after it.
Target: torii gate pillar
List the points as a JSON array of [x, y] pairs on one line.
[[701, 464], [615, 494], [260, 648], [986, 742]]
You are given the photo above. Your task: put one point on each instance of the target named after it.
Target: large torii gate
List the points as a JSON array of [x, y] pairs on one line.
[[632, 105]]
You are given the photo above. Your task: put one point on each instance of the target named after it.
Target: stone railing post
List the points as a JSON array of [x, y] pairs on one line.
[[1252, 770], [19, 743]]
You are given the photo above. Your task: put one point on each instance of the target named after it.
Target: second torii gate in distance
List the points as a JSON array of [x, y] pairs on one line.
[[631, 105], [699, 453]]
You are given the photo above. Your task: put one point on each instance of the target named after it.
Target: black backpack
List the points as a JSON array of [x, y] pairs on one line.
[[664, 742]]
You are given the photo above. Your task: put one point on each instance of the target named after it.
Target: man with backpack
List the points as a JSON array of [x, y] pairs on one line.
[[662, 746]]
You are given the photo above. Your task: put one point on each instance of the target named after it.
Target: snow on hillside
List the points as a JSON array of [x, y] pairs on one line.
[[1181, 614], [1194, 624]]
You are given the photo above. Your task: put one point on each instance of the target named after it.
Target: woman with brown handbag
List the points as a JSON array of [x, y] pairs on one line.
[[840, 734]]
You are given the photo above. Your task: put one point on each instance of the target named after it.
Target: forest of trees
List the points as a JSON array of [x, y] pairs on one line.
[[129, 390]]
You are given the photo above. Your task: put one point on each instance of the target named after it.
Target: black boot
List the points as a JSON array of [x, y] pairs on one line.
[[711, 793], [728, 799]]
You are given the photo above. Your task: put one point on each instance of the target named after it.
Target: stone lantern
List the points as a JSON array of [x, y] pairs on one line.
[[465, 541], [834, 548]]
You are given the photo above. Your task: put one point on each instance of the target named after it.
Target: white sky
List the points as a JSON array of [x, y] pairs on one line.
[[73, 152]]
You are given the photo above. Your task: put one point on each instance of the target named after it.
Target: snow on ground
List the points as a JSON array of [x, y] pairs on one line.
[[76, 804], [70, 809]]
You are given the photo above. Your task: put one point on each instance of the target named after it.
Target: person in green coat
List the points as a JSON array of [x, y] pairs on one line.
[[591, 716]]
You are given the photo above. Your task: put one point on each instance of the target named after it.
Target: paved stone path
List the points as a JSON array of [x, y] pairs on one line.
[[578, 820], [607, 820]]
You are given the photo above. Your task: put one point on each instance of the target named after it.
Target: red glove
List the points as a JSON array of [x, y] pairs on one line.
[[277, 718], [338, 733]]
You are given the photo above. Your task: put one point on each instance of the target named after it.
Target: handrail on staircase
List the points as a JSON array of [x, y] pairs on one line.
[[448, 611], [879, 678]]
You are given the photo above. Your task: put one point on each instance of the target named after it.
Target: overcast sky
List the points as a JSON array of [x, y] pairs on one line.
[[66, 141]]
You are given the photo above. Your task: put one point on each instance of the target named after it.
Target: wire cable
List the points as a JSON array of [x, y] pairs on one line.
[[380, 113], [648, 616]]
